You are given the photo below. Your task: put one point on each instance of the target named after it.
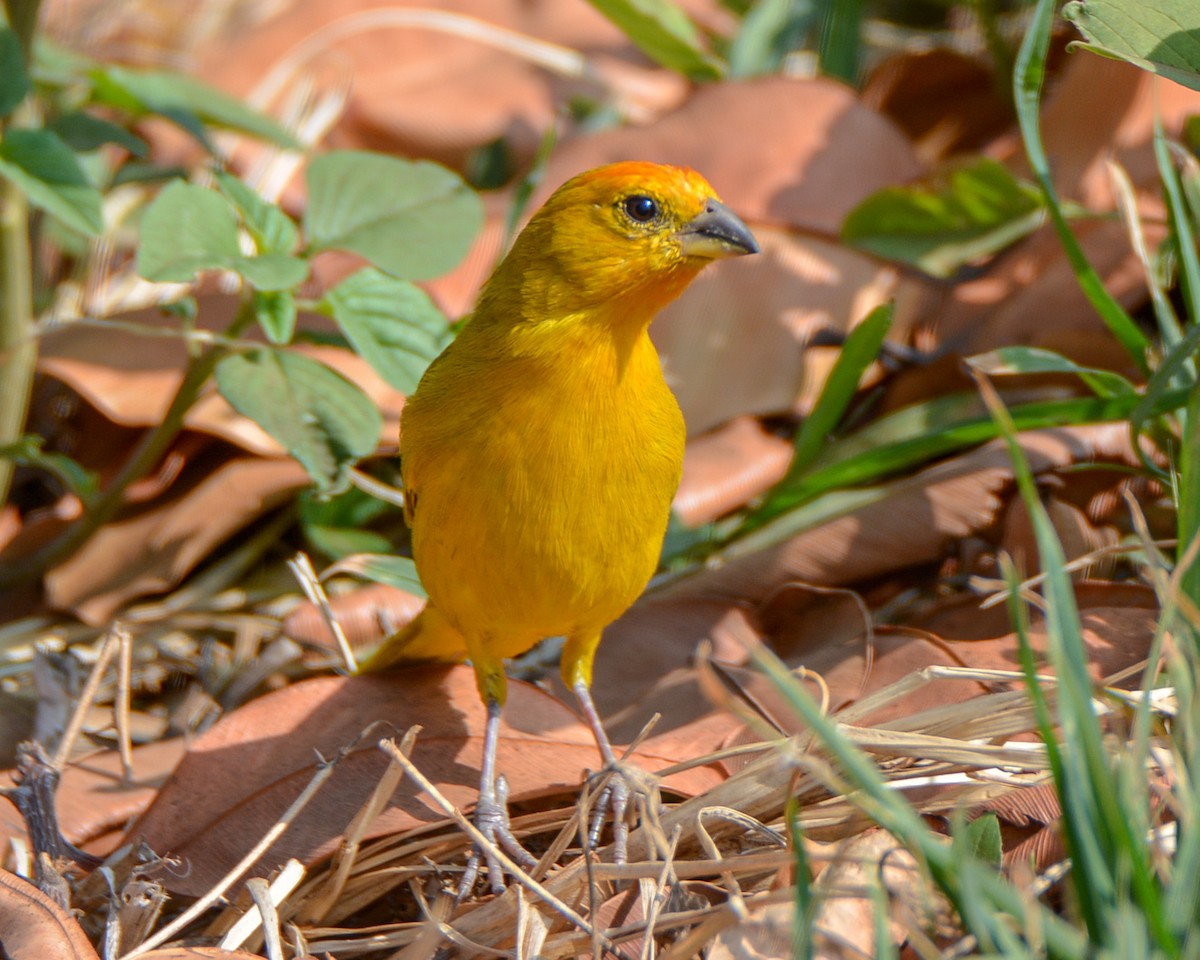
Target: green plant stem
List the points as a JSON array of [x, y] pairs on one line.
[[18, 348], [153, 445]]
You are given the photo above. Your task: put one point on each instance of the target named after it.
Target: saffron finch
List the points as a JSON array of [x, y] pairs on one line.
[[542, 449]]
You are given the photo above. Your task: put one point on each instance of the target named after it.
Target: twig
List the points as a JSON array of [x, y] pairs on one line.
[[121, 702], [264, 913], [310, 583], [112, 640]]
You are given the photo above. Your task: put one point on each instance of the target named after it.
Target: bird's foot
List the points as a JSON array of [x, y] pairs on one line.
[[622, 782], [491, 819]]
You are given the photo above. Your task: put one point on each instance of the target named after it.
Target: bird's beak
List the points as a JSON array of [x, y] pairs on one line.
[[717, 232]]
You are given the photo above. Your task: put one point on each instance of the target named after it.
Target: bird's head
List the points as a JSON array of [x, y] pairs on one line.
[[627, 233]]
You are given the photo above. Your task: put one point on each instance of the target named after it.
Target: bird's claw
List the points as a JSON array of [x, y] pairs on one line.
[[491, 819], [622, 782]]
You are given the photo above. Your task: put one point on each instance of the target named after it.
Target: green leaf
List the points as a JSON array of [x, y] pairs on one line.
[[271, 271], [770, 31], [320, 417], [413, 220], [922, 432], [392, 324], [1029, 73], [188, 229], [1015, 360], [14, 78], [393, 571], [858, 352], [48, 173], [334, 525], [1162, 36], [665, 34], [981, 837], [184, 100], [273, 230], [27, 451], [185, 230], [960, 214], [82, 132], [276, 314]]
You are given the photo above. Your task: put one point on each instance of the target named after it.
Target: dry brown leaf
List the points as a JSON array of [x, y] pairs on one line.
[[1097, 111], [240, 776], [93, 800], [426, 93], [152, 550], [366, 615], [845, 921], [915, 520], [198, 953], [763, 934], [724, 469], [1028, 825], [948, 103], [34, 927], [132, 377]]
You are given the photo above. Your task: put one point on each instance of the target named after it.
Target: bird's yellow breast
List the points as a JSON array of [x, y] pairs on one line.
[[540, 474]]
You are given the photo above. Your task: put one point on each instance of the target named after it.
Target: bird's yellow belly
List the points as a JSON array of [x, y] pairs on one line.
[[553, 523]]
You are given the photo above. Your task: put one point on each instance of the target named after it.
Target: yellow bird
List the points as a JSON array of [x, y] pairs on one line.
[[542, 449]]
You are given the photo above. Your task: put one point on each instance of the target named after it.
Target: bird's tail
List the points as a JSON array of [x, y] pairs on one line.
[[429, 638]]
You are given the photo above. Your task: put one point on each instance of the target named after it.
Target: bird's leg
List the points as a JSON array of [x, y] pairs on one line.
[[616, 791], [491, 815]]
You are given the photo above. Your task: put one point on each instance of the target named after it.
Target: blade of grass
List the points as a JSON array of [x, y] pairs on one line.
[[924, 432], [1028, 76], [858, 352], [1103, 845]]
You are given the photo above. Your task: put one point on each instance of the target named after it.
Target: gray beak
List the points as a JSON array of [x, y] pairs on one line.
[[717, 232]]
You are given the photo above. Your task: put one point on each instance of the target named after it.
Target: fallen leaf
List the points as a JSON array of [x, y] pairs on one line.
[[34, 927], [198, 953], [153, 549], [132, 377], [845, 923], [948, 103], [727, 467], [914, 520], [93, 800], [367, 615]]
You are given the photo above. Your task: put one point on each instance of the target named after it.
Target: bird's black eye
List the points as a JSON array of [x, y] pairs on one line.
[[641, 208]]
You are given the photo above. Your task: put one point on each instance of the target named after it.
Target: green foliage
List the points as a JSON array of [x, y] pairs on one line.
[[14, 78], [46, 170], [665, 34], [335, 525], [981, 839], [392, 324], [190, 103], [387, 569], [413, 220], [320, 417], [28, 452], [83, 132], [1162, 36], [858, 353], [188, 229], [424, 212], [1028, 76], [963, 213], [770, 30], [1017, 360]]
